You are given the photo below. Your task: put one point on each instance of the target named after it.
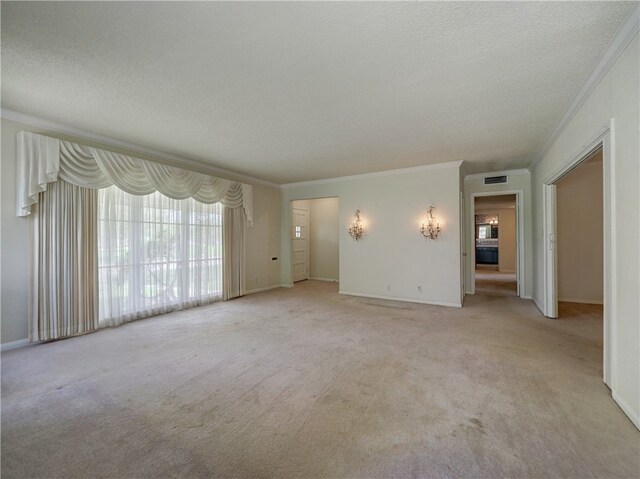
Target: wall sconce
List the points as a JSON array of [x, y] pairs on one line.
[[432, 229], [493, 222], [356, 230]]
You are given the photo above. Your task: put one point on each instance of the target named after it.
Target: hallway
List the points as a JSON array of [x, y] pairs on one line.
[[494, 283]]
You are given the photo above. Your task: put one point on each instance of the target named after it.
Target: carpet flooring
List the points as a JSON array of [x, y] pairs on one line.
[[304, 382], [493, 282]]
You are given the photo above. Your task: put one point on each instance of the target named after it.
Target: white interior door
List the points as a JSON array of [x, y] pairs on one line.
[[550, 252], [518, 265], [300, 242], [463, 253], [609, 258]]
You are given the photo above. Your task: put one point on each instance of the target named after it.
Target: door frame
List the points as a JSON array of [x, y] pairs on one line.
[[604, 140], [290, 232], [520, 276], [463, 255], [291, 238]]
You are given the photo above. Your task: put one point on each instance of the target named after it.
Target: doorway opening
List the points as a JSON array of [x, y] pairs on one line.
[[580, 238], [314, 239], [495, 244], [577, 236], [598, 275]]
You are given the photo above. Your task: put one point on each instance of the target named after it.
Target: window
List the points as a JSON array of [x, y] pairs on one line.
[[156, 254]]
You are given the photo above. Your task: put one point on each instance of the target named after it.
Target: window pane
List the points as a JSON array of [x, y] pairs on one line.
[[156, 253]]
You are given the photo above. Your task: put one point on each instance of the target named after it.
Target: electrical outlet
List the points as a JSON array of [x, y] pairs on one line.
[[420, 289]]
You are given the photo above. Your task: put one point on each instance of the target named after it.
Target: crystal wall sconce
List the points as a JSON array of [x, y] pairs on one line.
[[356, 229], [432, 229]]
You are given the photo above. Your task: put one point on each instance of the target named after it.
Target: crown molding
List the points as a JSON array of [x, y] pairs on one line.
[[375, 174], [479, 176], [166, 158], [621, 39]]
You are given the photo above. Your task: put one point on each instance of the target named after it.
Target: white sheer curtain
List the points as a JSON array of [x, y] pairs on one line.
[[233, 242], [156, 254], [63, 263]]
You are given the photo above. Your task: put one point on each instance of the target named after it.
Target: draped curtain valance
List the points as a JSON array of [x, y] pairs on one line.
[[42, 160]]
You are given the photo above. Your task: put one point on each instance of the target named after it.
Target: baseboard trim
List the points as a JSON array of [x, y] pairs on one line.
[[580, 301], [285, 285], [406, 300], [260, 290], [20, 343], [633, 416], [330, 280]]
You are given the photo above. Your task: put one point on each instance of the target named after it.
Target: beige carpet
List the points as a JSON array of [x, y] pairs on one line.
[[308, 383], [495, 283]]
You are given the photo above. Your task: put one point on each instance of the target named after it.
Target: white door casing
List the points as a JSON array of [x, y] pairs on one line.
[[604, 141], [471, 248], [463, 254], [518, 245]]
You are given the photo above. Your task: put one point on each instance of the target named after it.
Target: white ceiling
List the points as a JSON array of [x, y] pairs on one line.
[[298, 91]]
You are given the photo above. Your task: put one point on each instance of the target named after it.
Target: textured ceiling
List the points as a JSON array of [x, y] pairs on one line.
[[298, 91]]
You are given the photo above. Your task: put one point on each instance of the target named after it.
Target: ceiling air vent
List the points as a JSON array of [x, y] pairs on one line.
[[493, 180]]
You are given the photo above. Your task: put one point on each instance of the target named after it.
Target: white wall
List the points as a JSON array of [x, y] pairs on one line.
[[323, 238], [617, 97], [14, 240], [507, 240], [579, 234], [393, 259], [518, 180], [302, 204], [262, 241]]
